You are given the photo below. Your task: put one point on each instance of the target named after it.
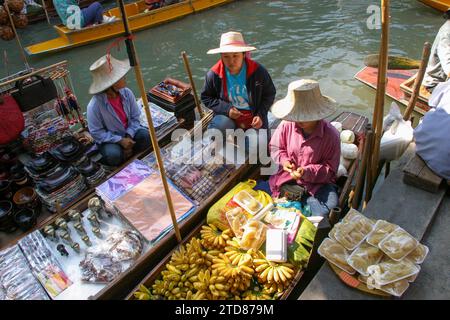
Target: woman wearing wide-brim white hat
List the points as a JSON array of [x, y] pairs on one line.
[[306, 147], [239, 90], [113, 114]]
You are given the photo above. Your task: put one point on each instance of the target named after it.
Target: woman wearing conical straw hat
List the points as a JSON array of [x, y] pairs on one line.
[[239, 90], [113, 114], [306, 147]]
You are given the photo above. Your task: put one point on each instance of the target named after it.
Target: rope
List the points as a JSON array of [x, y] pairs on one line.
[[116, 43]]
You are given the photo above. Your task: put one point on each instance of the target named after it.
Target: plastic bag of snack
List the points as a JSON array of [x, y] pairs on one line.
[[398, 244], [396, 288], [363, 257], [336, 254]]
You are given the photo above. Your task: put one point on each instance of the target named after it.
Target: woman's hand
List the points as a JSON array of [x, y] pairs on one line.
[[288, 166], [297, 174], [127, 143], [257, 122], [234, 113]]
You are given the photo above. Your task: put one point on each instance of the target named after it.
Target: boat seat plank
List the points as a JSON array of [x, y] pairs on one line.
[[397, 202], [418, 174]]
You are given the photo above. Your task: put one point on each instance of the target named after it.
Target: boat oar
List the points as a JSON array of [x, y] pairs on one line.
[[131, 50], [394, 62], [418, 82], [194, 91]]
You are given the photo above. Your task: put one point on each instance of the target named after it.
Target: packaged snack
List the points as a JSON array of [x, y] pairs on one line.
[[398, 244], [388, 271], [352, 213], [419, 254], [282, 218], [396, 288], [246, 201], [254, 235], [380, 231], [237, 219], [352, 233], [363, 257], [336, 254]]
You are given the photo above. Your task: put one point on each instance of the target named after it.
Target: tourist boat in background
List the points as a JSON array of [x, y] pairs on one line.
[[39, 15], [138, 18], [441, 5]]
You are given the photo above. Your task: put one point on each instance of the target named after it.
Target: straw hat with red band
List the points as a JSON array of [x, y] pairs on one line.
[[106, 71], [232, 42]]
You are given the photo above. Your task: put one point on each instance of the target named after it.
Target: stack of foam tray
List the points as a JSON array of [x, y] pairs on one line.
[[184, 108]]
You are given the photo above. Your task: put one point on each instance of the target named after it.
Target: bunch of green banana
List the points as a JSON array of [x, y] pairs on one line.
[[214, 238]]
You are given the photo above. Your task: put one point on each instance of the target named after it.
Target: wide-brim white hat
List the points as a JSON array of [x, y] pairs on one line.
[[106, 71], [304, 102], [232, 42]]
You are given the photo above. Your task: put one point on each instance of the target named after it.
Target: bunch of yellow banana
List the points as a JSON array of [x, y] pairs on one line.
[[214, 238], [272, 272], [211, 285], [257, 293], [199, 295], [275, 289], [238, 277], [143, 293], [237, 255]]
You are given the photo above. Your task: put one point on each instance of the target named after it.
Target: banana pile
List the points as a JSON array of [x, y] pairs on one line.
[[214, 238], [215, 267]]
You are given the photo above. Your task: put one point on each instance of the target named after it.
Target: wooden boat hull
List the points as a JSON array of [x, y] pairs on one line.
[[350, 121], [441, 5], [138, 20], [396, 78]]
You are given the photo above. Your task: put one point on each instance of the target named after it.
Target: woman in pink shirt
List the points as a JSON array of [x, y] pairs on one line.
[[306, 147]]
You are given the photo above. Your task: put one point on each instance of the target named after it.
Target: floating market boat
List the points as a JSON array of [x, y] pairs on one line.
[[138, 20], [399, 86], [350, 121], [441, 5], [39, 15]]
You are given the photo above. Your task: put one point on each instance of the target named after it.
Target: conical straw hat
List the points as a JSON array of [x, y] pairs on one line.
[[106, 71], [232, 42], [304, 102]]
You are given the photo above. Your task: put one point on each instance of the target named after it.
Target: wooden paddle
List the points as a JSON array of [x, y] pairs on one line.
[[394, 62]]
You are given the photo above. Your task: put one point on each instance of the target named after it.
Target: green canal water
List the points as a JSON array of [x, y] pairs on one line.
[[322, 40]]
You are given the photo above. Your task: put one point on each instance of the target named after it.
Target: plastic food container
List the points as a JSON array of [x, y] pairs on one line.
[[388, 271], [398, 244], [352, 233], [276, 245], [396, 288], [246, 201], [419, 254], [363, 257], [380, 231], [237, 219], [336, 254], [254, 235]]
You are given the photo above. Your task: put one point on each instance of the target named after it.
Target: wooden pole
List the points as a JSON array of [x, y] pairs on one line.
[[194, 91], [22, 51], [418, 82], [369, 143], [140, 81], [44, 5], [381, 88], [362, 169]]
